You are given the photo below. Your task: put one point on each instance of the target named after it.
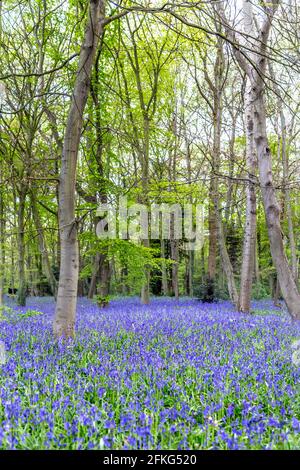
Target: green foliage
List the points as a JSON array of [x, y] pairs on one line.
[[30, 313], [102, 300], [5, 312], [10, 315], [260, 291]]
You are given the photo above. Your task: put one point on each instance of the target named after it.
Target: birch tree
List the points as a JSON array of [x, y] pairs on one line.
[[247, 269]]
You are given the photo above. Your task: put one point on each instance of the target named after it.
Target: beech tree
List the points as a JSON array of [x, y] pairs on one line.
[[64, 321]]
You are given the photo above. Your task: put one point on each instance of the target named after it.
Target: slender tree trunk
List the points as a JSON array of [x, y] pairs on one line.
[[189, 273], [218, 109], [46, 266], [213, 240], [21, 298], [64, 321], [202, 265], [93, 283], [226, 263], [216, 230], [213, 197], [2, 245], [283, 140], [175, 259], [229, 195], [287, 196], [275, 289], [12, 248], [256, 267], [288, 205], [104, 279], [174, 243], [103, 271], [248, 258], [125, 287], [272, 212], [164, 273], [54, 128], [145, 291], [190, 253]]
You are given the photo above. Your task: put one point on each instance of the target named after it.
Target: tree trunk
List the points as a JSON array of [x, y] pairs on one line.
[[272, 212], [226, 263], [287, 196], [93, 283], [47, 271], [256, 263], [229, 195], [145, 291], [248, 258], [175, 259], [283, 138], [218, 109], [213, 239], [164, 272], [2, 245], [64, 321], [101, 274], [189, 273], [104, 279], [102, 265], [190, 253], [21, 298]]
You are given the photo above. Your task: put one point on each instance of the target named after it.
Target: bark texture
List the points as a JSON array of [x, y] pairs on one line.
[[248, 259], [64, 321]]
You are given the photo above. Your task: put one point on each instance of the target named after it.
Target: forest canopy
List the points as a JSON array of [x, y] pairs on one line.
[[161, 103]]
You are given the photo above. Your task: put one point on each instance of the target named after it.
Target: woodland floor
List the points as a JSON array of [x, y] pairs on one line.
[[170, 375]]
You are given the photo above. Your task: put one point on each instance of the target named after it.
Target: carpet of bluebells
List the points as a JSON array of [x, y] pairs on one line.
[[171, 375]]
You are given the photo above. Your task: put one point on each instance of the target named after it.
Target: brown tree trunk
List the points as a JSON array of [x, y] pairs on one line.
[[213, 239], [164, 272], [217, 89], [256, 264], [287, 196], [226, 263], [46, 266], [93, 283], [272, 212], [2, 243], [189, 273], [64, 321], [102, 269], [104, 279], [175, 259], [145, 291], [283, 140], [21, 298]]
